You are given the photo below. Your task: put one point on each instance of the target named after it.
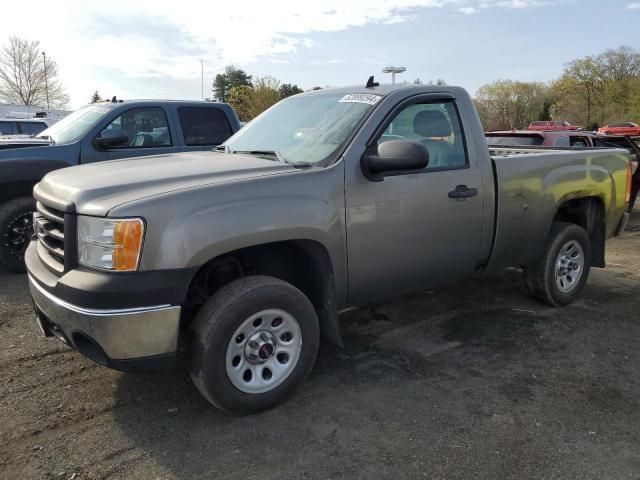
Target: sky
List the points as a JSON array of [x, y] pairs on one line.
[[153, 49]]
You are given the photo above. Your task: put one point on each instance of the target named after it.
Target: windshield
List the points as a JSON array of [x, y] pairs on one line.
[[308, 129], [75, 125], [514, 140]]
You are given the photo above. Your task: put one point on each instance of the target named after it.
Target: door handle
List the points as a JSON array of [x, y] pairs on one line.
[[462, 191]]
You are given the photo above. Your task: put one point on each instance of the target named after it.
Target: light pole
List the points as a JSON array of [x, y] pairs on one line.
[[46, 82], [393, 71], [202, 79]]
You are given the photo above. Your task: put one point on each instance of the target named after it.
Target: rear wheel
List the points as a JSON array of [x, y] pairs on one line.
[[563, 268], [252, 344], [16, 230]]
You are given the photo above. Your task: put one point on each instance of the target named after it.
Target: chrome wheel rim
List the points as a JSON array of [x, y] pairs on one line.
[[18, 234], [569, 266], [263, 351]]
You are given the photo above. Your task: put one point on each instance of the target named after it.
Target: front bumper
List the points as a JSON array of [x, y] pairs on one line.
[[114, 338], [131, 338]]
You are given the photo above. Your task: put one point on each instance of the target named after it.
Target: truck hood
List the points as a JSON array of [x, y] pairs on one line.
[[21, 141], [95, 189]]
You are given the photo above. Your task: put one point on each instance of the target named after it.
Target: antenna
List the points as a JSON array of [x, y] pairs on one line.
[[371, 83]]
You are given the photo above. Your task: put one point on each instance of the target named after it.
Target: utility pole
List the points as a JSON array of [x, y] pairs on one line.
[[393, 71], [46, 82], [202, 79]]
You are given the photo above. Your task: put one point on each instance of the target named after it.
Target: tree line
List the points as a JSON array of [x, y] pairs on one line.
[[591, 92], [250, 96]]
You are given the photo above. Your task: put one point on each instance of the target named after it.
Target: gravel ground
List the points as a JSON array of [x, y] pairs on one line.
[[475, 380]]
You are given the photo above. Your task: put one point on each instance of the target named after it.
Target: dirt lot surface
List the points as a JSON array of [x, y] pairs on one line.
[[472, 381]]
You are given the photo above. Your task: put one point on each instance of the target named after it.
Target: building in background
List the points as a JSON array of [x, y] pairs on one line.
[[28, 111]]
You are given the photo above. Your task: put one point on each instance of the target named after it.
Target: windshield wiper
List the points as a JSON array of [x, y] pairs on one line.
[[274, 154], [267, 153], [44, 137]]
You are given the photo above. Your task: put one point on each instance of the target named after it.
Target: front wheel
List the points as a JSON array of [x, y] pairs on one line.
[[563, 268], [16, 229], [252, 344]]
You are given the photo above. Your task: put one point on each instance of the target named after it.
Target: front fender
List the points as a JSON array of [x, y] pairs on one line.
[[21, 170], [188, 228]]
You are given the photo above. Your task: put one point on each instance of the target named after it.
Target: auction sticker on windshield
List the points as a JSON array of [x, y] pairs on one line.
[[368, 98]]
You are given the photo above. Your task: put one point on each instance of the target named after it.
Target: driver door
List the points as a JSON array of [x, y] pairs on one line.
[[406, 233]]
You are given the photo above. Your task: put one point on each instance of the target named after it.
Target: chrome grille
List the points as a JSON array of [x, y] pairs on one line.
[[48, 224]]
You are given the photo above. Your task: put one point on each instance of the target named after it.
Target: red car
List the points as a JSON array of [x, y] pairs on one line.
[[553, 125], [620, 128]]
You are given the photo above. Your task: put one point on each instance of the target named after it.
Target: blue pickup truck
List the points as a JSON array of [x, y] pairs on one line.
[[103, 131]]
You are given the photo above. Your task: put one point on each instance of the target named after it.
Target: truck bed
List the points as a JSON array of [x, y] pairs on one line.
[[530, 185]]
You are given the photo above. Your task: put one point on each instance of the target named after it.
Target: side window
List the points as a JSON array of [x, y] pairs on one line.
[[204, 126], [579, 142], [31, 128], [613, 143], [562, 142], [437, 127], [146, 127], [6, 128]]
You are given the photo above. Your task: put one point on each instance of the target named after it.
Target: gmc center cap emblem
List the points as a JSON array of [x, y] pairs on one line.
[[266, 351]]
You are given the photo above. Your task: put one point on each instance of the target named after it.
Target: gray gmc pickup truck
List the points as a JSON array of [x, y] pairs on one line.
[[236, 261]]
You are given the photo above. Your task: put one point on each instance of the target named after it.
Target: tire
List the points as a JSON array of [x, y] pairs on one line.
[[221, 351], [559, 285], [16, 229]]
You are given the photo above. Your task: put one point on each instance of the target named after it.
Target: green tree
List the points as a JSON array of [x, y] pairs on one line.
[[221, 87], [287, 90], [265, 94], [506, 104], [251, 101], [621, 68], [241, 99], [545, 113], [599, 89], [582, 83], [232, 77], [95, 98]]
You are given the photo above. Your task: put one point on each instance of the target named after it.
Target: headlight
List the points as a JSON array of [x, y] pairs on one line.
[[110, 243]]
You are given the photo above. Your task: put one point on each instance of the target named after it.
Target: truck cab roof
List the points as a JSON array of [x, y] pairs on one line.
[[385, 89]]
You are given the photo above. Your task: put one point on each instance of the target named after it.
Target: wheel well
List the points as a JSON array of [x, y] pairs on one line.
[[587, 212], [9, 191], [303, 263]]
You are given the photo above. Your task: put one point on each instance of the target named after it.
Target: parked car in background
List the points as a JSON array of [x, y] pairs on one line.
[[22, 126], [330, 199], [620, 128], [98, 132], [555, 138], [553, 125]]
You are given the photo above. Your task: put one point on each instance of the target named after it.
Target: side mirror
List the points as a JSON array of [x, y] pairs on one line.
[[394, 157], [111, 138]]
